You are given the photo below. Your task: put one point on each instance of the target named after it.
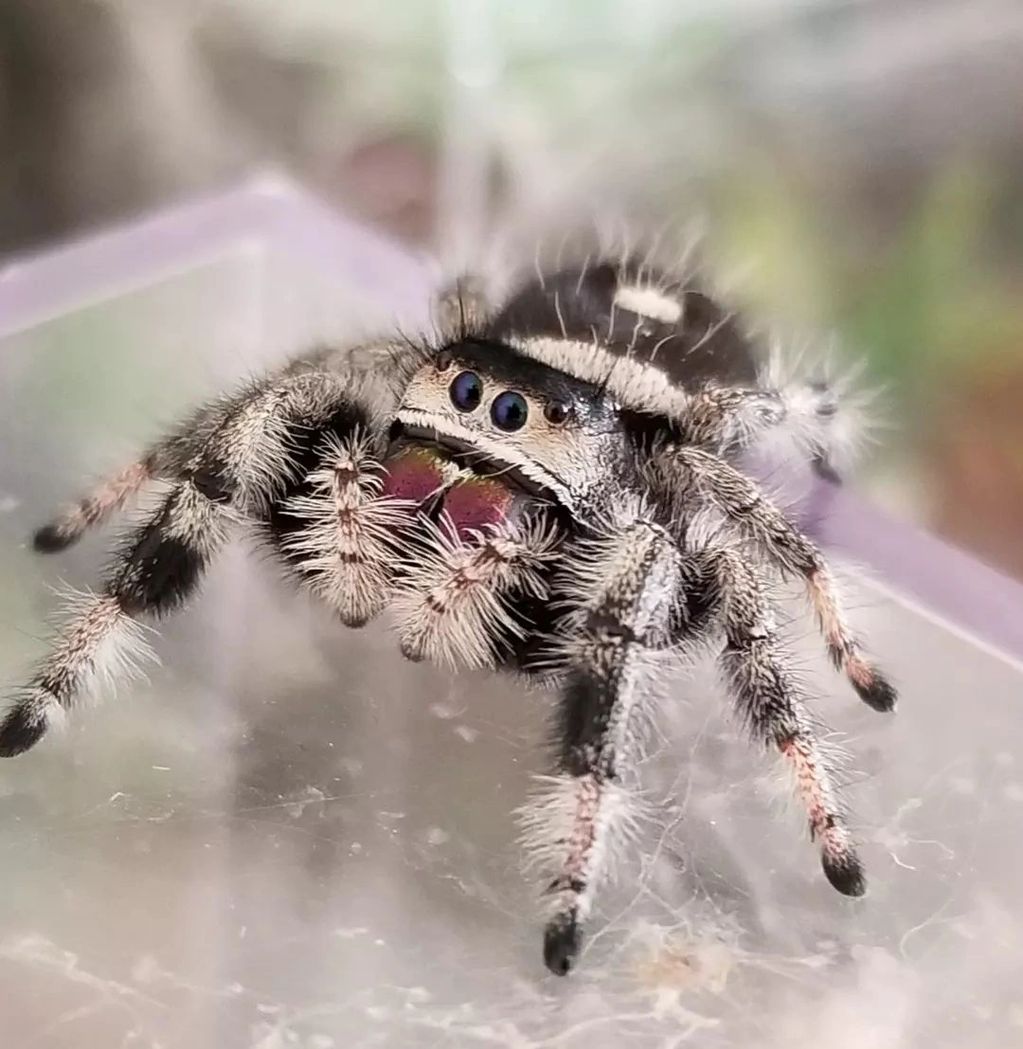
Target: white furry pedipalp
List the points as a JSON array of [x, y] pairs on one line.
[[451, 606], [348, 548]]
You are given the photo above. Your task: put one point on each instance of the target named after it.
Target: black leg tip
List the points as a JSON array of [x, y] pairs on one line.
[[879, 693], [20, 729], [561, 941], [845, 874], [50, 539]]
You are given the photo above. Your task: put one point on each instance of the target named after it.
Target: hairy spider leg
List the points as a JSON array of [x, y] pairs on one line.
[[624, 584], [745, 506], [456, 605], [772, 707], [94, 508], [238, 458]]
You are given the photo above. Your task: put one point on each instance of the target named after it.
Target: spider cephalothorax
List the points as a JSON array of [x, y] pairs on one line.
[[502, 414], [552, 486]]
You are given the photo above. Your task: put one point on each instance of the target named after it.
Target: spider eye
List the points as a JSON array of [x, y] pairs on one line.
[[557, 412], [466, 391], [509, 411], [442, 361]]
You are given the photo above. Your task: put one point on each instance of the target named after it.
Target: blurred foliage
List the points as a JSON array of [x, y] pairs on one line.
[[935, 298], [925, 303]]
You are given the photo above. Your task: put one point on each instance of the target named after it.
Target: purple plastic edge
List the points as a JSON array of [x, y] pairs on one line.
[[943, 580], [42, 285]]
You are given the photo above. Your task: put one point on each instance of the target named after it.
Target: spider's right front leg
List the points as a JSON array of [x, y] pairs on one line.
[[625, 586]]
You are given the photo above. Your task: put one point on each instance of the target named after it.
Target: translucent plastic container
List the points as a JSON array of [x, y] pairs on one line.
[[290, 836]]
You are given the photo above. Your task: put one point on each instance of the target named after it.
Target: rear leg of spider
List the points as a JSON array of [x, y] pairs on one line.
[[770, 704], [94, 508], [820, 420]]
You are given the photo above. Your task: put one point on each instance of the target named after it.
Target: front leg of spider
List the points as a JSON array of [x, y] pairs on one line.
[[623, 585]]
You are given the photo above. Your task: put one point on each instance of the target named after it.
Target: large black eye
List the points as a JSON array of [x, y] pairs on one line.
[[466, 391], [509, 410]]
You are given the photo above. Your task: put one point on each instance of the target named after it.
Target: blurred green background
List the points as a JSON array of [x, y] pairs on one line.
[[858, 164]]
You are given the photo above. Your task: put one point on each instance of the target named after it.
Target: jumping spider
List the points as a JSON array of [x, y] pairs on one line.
[[552, 487]]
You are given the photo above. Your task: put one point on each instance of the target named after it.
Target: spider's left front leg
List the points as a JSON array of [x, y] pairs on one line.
[[624, 586]]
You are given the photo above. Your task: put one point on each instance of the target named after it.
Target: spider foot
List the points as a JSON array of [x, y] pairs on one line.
[[845, 872], [871, 685], [561, 942], [22, 727]]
